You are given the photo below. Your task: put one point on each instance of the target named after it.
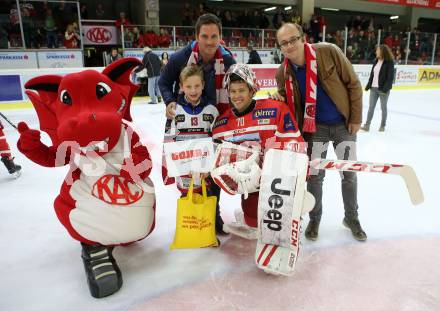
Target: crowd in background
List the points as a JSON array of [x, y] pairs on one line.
[[45, 25], [55, 25]]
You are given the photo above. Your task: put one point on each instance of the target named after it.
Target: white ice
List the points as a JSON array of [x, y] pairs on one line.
[[396, 269]]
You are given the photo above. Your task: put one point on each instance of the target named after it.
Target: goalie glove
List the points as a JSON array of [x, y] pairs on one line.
[[237, 176]]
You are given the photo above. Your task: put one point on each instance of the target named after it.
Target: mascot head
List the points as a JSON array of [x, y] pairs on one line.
[[87, 107]]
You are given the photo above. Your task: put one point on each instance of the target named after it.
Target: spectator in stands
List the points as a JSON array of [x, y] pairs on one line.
[[64, 14], [128, 37], [356, 53], [365, 23], [227, 23], [75, 27], [332, 112], [51, 30], [4, 43], [357, 22], [398, 56], [388, 40], [122, 21], [28, 28], [338, 39], [151, 39], [349, 23], [201, 9], [209, 54], [371, 44], [187, 18], [254, 58], [14, 20], [114, 56], [363, 46], [380, 84], [83, 11], [314, 27], [263, 21], [278, 18], [351, 39], [153, 64], [71, 38], [138, 38], [164, 39], [243, 21], [396, 42], [100, 12]]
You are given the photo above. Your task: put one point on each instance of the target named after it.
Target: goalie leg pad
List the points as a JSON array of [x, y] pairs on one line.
[[275, 259], [281, 197], [280, 206]]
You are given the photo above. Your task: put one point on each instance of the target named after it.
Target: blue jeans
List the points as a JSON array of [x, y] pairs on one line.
[[345, 148], [153, 89], [374, 95], [52, 39]]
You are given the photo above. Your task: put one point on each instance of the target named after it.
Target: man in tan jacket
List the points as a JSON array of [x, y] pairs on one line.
[[319, 84]]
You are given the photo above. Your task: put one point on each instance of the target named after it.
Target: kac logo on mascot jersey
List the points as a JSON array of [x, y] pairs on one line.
[[275, 201], [117, 190]]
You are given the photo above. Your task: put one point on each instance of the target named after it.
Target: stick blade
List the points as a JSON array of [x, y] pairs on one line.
[[412, 184]]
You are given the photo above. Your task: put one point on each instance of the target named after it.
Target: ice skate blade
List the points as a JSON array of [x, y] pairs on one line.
[[241, 230]]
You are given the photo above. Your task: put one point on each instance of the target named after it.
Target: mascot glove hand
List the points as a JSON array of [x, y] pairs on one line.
[[29, 139]]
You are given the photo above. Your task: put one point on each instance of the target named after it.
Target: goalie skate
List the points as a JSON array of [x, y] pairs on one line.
[[282, 201], [240, 228]]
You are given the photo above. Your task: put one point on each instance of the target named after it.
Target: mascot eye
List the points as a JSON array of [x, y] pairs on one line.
[[102, 89], [65, 98]]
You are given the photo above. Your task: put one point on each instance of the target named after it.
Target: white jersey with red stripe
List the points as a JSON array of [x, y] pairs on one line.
[[265, 123], [193, 122]]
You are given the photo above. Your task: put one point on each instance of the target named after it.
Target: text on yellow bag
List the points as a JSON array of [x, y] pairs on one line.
[[195, 220]]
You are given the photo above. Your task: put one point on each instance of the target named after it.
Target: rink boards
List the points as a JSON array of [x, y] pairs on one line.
[[12, 81]]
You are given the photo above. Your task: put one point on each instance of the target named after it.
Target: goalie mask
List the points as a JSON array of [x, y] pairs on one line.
[[244, 72]]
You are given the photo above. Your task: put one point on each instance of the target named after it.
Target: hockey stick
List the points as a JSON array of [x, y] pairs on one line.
[[7, 120], [404, 171]]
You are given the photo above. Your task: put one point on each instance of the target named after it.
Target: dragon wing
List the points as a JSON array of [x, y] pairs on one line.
[[43, 92], [120, 72]]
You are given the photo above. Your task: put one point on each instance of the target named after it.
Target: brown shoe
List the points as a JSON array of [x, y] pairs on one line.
[[382, 129], [312, 230], [356, 229], [366, 127]]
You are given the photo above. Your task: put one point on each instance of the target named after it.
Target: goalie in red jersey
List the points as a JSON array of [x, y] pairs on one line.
[[246, 130]]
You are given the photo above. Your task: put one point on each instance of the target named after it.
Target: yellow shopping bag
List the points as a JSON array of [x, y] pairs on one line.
[[195, 220]]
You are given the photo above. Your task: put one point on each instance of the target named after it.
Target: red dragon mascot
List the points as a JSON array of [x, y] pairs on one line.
[[107, 198]]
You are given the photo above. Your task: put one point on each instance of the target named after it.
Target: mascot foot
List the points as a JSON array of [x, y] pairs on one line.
[[103, 274]]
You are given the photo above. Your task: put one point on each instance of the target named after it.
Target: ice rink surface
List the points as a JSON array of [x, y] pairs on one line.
[[398, 268]]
